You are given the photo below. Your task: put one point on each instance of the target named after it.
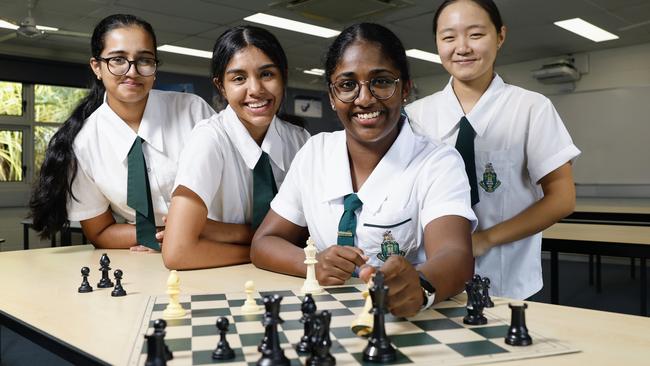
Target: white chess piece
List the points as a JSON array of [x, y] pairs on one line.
[[174, 308], [311, 285], [362, 325], [250, 306]]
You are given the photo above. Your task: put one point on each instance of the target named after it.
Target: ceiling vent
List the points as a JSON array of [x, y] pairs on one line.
[[558, 72], [332, 10]]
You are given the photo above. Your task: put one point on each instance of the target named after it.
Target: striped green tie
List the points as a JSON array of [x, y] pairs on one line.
[[465, 146], [264, 189], [348, 223], [139, 197]]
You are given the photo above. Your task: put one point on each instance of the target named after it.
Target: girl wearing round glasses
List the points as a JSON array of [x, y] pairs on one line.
[[234, 162], [521, 174], [374, 196], [118, 151]]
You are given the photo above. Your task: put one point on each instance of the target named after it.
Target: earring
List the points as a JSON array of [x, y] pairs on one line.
[[333, 107], [404, 100]]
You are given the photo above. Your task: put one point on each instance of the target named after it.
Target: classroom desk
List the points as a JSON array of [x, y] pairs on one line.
[[75, 227], [613, 240], [40, 301], [626, 211]]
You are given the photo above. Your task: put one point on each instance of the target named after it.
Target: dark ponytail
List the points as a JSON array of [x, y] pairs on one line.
[[48, 203]]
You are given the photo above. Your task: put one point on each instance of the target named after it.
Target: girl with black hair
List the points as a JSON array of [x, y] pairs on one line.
[[117, 153], [374, 196], [235, 161], [517, 151]]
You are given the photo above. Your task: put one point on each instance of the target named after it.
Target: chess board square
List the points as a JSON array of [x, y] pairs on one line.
[[437, 324], [248, 318], [175, 345], [290, 307], [414, 339], [353, 303], [328, 305], [478, 348], [182, 357], [323, 298], [349, 296], [177, 332], [342, 321], [210, 342], [456, 336], [210, 312], [250, 327], [209, 304], [342, 332], [210, 320], [498, 331], [341, 312], [423, 355], [400, 358], [239, 302], [290, 315], [162, 306], [254, 339], [286, 293], [402, 328], [208, 297], [426, 315], [205, 357], [342, 290], [390, 318], [452, 312], [292, 324], [174, 322], [204, 330]]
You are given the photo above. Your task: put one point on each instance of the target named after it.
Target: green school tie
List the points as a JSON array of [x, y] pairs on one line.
[[138, 197], [264, 189], [348, 223], [465, 146]]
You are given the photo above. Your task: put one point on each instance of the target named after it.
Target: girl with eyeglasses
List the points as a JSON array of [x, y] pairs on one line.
[[517, 151], [235, 161], [117, 153], [374, 196]]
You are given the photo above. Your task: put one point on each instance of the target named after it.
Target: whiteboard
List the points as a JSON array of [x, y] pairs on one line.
[[612, 129]]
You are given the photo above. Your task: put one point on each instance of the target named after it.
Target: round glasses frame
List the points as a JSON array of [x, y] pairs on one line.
[[131, 63], [357, 89]]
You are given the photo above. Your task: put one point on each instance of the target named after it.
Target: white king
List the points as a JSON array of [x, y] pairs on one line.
[[311, 285]]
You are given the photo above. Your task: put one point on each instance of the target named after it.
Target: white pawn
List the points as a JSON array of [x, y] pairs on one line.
[[174, 308], [311, 285], [250, 306]]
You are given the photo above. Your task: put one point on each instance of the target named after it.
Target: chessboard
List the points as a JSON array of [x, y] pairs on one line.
[[434, 336]]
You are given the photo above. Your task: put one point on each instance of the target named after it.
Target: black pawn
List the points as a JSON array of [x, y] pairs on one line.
[[518, 332], [104, 264], [321, 342], [308, 308], [379, 348], [85, 286], [157, 351], [486, 293], [223, 350], [118, 290]]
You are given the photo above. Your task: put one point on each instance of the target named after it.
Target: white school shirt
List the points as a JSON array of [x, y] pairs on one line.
[[416, 182], [218, 161], [102, 147], [520, 138]]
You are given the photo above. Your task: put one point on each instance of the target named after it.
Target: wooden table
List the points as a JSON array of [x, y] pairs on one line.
[[40, 301], [628, 211]]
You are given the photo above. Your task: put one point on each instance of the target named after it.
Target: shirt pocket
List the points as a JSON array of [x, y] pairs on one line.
[[494, 181], [387, 234]]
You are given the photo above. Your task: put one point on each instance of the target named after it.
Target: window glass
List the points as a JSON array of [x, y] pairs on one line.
[[11, 99], [42, 137], [56, 103], [11, 156]]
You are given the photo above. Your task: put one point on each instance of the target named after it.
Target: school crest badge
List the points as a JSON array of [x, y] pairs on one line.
[[490, 181], [389, 247]]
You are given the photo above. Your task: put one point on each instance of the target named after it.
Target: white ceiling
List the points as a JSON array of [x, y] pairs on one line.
[[197, 23]]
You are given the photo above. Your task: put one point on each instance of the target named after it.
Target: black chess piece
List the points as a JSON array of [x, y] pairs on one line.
[[118, 290], [379, 348], [272, 355], [518, 332], [308, 308], [223, 350], [321, 342], [85, 286], [157, 351], [486, 293], [104, 263], [475, 304]]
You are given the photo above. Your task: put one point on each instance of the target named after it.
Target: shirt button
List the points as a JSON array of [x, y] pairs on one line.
[[148, 170]]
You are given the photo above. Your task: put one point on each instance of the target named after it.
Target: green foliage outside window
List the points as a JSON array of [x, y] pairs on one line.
[[56, 103], [11, 156], [11, 99]]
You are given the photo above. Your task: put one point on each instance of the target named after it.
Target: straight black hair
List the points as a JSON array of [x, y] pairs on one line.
[[488, 5], [53, 188], [383, 37]]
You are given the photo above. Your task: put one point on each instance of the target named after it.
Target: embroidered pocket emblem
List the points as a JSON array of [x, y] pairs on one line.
[[490, 182], [389, 247]]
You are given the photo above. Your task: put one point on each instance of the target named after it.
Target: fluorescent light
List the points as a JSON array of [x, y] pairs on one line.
[[7, 25], [292, 25], [319, 72], [44, 28], [586, 29], [423, 55], [185, 51]]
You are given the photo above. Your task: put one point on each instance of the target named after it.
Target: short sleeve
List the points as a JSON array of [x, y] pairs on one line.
[[288, 202], [549, 144], [201, 164], [87, 201], [446, 188]]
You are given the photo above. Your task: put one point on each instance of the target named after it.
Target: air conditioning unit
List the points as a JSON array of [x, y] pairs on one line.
[[558, 72]]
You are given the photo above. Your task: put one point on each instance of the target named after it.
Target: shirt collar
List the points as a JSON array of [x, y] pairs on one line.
[[246, 145], [122, 136], [479, 117], [382, 179]]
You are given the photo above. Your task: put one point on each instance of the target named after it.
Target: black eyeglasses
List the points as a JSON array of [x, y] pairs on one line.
[[380, 87], [120, 65]]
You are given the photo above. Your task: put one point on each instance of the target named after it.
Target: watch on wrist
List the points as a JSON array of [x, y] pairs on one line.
[[428, 290]]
